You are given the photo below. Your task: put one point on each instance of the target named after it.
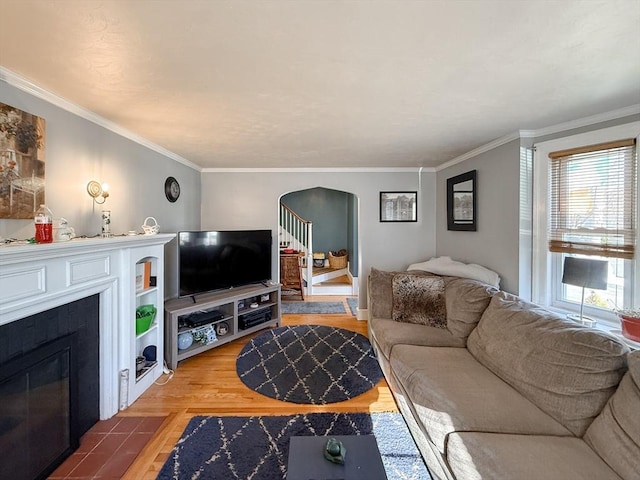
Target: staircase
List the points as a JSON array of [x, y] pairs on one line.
[[329, 281], [296, 233]]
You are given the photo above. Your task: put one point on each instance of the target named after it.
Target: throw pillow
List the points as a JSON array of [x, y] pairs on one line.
[[381, 291], [418, 299]]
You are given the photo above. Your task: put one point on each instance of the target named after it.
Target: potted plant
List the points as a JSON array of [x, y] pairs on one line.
[[630, 322]]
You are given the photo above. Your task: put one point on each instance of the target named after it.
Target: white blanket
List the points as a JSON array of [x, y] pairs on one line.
[[446, 266]]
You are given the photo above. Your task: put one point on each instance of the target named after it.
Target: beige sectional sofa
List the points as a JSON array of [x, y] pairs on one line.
[[503, 389]]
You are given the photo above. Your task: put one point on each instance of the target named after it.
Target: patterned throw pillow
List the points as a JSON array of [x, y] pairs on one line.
[[418, 299]]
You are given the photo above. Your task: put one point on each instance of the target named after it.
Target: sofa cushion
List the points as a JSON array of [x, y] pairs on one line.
[[478, 455], [419, 299], [381, 292], [615, 433], [451, 392], [466, 301], [388, 333], [569, 371]]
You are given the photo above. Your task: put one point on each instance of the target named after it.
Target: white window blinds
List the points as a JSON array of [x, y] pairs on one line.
[[593, 200]]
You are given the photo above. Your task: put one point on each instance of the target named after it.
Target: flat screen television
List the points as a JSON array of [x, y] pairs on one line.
[[216, 260]]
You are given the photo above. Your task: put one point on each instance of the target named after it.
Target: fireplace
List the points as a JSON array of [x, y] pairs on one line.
[[39, 288], [37, 278], [49, 388]]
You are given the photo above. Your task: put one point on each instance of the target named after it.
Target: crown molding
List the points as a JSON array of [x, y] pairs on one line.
[[21, 83], [322, 170], [586, 121], [477, 151], [540, 132]]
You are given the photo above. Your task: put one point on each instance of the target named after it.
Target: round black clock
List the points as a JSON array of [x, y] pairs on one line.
[[171, 189]]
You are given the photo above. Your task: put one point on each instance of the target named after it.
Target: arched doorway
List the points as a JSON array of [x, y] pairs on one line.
[[333, 215]]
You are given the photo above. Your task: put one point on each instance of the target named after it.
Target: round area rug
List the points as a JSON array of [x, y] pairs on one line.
[[309, 364]]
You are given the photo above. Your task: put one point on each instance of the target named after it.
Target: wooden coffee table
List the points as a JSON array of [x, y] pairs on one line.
[[362, 461]]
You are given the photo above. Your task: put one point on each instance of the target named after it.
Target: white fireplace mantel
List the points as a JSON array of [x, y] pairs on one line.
[[35, 278]]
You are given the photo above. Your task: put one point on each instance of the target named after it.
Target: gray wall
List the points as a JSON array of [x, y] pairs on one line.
[[78, 150], [352, 235], [495, 243], [237, 200], [503, 239]]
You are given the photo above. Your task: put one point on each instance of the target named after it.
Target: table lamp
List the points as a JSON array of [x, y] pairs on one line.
[[585, 273]]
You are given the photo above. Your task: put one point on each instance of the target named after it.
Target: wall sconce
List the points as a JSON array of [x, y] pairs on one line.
[[97, 190]]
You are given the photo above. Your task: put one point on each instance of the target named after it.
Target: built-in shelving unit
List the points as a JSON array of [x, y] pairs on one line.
[[217, 318], [147, 283], [147, 296]]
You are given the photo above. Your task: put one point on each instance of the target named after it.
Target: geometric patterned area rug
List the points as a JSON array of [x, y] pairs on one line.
[[320, 308], [311, 364], [257, 448]]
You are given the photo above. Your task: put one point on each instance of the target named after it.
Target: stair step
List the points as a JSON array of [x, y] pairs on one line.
[[332, 289], [344, 279], [325, 274]]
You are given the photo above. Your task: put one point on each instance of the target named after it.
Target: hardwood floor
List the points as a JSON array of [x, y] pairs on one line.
[[207, 384]]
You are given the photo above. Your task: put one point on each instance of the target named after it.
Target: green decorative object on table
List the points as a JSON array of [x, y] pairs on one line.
[[334, 451]]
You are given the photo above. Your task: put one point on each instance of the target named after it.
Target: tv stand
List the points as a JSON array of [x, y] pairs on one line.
[[227, 311]]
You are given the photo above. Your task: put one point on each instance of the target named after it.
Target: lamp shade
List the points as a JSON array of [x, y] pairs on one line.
[[585, 272]]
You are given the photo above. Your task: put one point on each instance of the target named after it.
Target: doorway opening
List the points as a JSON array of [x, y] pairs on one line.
[[320, 226]]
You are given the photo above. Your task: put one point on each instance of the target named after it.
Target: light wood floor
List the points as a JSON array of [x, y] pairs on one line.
[[207, 384]]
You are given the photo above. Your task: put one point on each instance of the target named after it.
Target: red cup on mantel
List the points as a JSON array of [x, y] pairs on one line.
[[630, 327]]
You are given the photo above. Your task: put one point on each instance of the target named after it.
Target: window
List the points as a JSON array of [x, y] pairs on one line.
[[587, 207], [592, 198]]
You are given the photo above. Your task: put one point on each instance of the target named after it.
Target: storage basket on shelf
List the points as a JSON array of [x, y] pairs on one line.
[[145, 314], [338, 260]]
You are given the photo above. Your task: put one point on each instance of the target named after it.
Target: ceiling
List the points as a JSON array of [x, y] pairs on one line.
[[275, 83]]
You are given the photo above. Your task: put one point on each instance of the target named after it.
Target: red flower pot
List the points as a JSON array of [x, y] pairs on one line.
[[630, 327]]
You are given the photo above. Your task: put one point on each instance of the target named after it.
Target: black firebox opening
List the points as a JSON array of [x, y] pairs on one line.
[[38, 395], [57, 353]]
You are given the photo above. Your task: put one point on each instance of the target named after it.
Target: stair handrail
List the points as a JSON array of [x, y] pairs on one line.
[[302, 220], [302, 233], [296, 228]]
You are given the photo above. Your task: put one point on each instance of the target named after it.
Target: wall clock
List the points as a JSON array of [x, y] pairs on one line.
[[171, 189]]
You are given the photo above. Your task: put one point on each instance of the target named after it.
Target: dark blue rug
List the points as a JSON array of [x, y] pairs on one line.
[[257, 448], [312, 364], [319, 308]]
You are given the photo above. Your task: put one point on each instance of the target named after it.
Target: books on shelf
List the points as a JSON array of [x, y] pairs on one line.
[[143, 275]]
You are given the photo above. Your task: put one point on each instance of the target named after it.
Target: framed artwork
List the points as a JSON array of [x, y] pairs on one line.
[[461, 202], [22, 141], [398, 206]]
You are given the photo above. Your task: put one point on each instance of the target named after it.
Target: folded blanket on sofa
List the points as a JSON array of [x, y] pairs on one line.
[[447, 266]]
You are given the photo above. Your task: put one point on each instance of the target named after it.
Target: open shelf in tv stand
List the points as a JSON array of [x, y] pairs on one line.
[[230, 304]]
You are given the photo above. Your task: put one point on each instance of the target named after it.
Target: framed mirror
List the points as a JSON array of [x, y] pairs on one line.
[[462, 202]]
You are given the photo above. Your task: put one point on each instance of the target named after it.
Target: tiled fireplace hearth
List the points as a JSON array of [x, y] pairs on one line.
[[38, 278]]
